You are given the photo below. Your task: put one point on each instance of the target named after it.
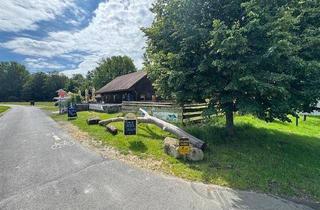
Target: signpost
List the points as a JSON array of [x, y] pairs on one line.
[[184, 146], [130, 124], [61, 94]]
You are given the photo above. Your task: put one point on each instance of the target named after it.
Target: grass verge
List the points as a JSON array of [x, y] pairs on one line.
[[3, 109], [45, 105], [277, 158]]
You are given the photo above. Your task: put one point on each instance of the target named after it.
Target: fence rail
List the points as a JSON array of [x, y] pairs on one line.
[[193, 112], [170, 111]]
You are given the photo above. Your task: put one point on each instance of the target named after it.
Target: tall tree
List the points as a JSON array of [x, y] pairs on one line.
[[254, 56], [110, 68], [35, 87], [54, 81], [76, 82], [12, 78]]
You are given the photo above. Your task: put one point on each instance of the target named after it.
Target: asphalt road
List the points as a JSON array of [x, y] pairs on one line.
[[42, 168]]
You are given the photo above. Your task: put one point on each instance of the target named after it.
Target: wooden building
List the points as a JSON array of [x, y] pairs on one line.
[[130, 87]]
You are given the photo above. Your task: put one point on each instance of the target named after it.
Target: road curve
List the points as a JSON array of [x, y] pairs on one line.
[[41, 167]]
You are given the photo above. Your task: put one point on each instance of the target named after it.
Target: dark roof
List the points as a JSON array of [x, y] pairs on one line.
[[122, 83]]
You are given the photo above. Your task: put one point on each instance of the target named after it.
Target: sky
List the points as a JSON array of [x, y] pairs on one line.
[[72, 36]]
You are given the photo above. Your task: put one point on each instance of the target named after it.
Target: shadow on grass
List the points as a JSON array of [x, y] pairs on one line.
[[138, 146], [149, 133], [72, 118], [260, 159]]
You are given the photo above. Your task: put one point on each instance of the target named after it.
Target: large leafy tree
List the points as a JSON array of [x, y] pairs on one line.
[[76, 82], [54, 81], [254, 56], [12, 78], [110, 68], [34, 88], [43, 86]]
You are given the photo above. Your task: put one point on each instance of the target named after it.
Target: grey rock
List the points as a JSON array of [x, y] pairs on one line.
[[195, 154], [171, 146]]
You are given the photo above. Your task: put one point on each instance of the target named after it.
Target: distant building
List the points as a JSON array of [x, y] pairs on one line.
[[62, 95], [130, 87], [317, 112]]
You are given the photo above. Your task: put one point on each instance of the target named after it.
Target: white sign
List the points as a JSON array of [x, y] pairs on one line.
[[168, 116]]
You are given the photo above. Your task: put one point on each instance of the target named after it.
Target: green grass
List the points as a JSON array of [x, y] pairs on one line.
[[3, 109], [277, 158], [146, 143], [47, 105]]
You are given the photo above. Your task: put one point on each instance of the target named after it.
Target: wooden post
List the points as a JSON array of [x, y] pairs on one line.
[[304, 117], [297, 121], [111, 129]]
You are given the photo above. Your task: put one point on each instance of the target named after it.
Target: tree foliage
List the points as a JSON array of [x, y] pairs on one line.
[[34, 88], [17, 84], [254, 56], [12, 78], [76, 82], [110, 68], [53, 82]]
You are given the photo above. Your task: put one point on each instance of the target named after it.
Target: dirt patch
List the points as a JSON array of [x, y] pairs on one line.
[[109, 152]]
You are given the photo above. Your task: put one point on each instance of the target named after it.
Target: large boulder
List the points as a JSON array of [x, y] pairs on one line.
[[195, 154], [171, 147]]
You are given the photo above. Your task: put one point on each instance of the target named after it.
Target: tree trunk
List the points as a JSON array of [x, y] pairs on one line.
[[230, 122], [163, 125]]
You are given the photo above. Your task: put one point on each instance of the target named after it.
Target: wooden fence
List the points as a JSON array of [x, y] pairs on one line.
[[193, 112], [107, 108], [188, 113], [164, 110]]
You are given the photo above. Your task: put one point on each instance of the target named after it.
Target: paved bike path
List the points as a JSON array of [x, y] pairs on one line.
[[41, 168]]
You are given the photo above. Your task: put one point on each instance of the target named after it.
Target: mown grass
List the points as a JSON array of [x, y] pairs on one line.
[[45, 105], [277, 158], [147, 142], [3, 109]]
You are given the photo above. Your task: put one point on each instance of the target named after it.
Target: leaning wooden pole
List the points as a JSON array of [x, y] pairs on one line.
[[163, 125]]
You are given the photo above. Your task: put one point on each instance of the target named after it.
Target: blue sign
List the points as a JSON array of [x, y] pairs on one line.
[[72, 111]]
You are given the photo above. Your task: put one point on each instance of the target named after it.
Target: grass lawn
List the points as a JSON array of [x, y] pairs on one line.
[[46, 105], [277, 158], [3, 109]]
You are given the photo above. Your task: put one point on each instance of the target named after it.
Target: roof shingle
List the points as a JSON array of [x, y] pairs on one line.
[[122, 83]]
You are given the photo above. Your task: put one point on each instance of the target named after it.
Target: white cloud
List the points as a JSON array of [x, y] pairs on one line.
[[42, 64], [17, 15], [114, 30]]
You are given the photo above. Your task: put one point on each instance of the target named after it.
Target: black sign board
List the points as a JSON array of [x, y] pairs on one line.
[[72, 112], [130, 127]]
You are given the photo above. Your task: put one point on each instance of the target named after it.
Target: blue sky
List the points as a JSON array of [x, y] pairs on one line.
[[71, 36]]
